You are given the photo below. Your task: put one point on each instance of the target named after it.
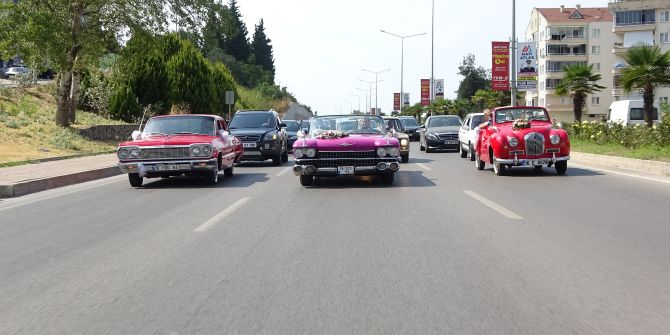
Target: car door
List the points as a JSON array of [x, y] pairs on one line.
[[463, 131], [422, 131]]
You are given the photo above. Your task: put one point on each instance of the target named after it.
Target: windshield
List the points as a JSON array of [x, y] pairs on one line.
[[349, 124], [292, 126], [444, 121], [477, 120], [253, 120], [511, 114], [410, 123], [394, 124], [174, 125]]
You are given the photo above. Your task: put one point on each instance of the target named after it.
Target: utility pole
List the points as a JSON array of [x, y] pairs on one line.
[[513, 56], [402, 59], [376, 73], [432, 56]]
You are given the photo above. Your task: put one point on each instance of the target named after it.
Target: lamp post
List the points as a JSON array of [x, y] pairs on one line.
[[359, 100], [513, 62], [365, 92], [402, 60], [370, 84], [376, 73], [432, 55]]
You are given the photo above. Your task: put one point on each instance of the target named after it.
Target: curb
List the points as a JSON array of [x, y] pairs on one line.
[[38, 185], [639, 165]]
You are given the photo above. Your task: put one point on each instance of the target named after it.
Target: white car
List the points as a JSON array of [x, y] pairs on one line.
[[16, 71], [467, 134]]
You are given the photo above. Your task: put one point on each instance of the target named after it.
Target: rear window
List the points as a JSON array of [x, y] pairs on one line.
[[409, 122], [477, 120], [253, 120], [637, 114], [292, 126]]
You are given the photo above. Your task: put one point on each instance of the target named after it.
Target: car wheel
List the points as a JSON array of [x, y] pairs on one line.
[[463, 152], [479, 164], [284, 156], [538, 168], [276, 160], [135, 179], [229, 171], [428, 149], [561, 167], [212, 177], [498, 169], [471, 152], [306, 180], [387, 179], [404, 158]]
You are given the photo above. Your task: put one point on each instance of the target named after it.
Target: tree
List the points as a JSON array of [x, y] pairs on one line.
[[578, 82], [218, 26], [237, 44], [647, 69], [488, 99], [474, 78], [262, 50]]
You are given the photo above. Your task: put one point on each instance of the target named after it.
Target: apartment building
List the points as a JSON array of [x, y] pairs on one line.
[[638, 21], [567, 36]]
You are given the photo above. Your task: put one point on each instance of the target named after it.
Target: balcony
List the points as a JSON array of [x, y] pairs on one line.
[[636, 27], [619, 49], [617, 91]]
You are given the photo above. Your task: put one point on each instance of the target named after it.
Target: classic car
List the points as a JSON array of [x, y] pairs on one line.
[[467, 135], [440, 132], [411, 127], [368, 149], [262, 134], [398, 130], [175, 145], [522, 136]]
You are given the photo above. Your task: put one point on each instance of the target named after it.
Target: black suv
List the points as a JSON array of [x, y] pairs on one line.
[[262, 134]]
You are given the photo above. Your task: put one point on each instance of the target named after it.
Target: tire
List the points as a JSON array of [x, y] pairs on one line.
[[404, 158], [229, 171], [387, 179], [135, 179], [212, 178], [538, 168], [498, 169], [479, 164], [561, 167], [284, 156], [428, 150], [276, 160], [471, 152], [460, 149], [306, 180]]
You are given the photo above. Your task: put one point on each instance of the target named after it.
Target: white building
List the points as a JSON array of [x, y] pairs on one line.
[[638, 21], [566, 36]]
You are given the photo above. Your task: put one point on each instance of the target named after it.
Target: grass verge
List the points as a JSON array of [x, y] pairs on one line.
[[656, 153]]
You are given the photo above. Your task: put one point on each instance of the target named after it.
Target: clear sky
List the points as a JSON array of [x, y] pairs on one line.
[[320, 46]]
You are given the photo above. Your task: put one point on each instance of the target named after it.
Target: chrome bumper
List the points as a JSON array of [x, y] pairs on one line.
[[148, 168], [532, 162], [381, 168]]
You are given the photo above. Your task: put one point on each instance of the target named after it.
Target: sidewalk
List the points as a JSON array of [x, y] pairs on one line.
[[30, 178]]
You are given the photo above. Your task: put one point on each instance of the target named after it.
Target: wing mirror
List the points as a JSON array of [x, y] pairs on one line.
[[224, 133], [136, 135]]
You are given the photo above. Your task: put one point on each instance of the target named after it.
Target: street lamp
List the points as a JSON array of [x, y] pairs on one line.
[[376, 73], [359, 100], [402, 59], [370, 84]]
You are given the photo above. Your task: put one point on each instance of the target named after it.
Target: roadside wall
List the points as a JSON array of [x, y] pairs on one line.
[[108, 132]]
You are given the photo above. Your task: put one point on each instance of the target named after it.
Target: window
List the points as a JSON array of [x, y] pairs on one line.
[[665, 16], [595, 100], [663, 99], [663, 38], [637, 114], [635, 17], [541, 68], [557, 66], [562, 33], [564, 49], [596, 66], [565, 101], [595, 49], [542, 102], [552, 83], [595, 32]]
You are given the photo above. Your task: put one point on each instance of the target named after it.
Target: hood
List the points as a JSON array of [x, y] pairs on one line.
[[443, 130], [535, 126], [161, 140], [291, 133], [251, 131], [349, 143]]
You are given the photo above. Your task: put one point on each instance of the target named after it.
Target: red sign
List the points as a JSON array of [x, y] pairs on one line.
[[500, 66], [396, 101], [425, 92]]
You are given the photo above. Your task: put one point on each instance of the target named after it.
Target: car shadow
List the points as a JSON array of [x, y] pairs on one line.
[[402, 179], [255, 164], [548, 172], [239, 180], [418, 160]]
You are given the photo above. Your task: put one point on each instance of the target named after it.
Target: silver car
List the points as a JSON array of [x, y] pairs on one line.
[[16, 71]]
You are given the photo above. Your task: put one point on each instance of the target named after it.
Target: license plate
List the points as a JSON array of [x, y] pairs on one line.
[[166, 167], [450, 142], [345, 170], [248, 145], [536, 162]]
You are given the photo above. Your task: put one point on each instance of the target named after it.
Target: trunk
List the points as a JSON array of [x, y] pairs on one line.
[[578, 104], [64, 101], [74, 95], [648, 94], [64, 116]]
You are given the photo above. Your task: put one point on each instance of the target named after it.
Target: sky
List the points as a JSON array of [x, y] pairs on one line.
[[321, 46]]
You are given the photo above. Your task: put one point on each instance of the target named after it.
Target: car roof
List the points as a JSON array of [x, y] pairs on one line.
[[445, 116], [345, 115], [256, 111], [185, 115], [390, 118]]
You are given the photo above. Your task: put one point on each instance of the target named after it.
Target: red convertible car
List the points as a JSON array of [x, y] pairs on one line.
[[177, 145], [522, 136]]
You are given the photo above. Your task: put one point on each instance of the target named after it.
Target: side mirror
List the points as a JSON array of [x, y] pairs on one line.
[[282, 125], [223, 133], [136, 135]]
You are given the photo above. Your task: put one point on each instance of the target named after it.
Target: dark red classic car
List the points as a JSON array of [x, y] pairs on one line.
[[522, 136], [177, 145]]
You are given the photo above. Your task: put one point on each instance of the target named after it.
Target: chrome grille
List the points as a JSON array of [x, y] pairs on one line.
[[346, 162], [165, 153], [534, 144], [347, 154], [249, 138], [447, 137]]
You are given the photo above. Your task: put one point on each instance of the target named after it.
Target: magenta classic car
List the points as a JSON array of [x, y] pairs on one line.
[[346, 145], [180, 145]]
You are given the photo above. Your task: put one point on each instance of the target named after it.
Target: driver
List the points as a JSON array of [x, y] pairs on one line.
[[364, 123]]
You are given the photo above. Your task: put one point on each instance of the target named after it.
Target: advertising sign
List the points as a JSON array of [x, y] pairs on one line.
[[500, 66], [396, 101], [527, 62], [425, 92], [439, 88], [405, 99]]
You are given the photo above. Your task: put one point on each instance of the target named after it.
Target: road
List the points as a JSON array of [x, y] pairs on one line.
[[446, 250]]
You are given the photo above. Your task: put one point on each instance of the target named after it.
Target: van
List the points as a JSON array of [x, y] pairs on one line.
[[630, 112]]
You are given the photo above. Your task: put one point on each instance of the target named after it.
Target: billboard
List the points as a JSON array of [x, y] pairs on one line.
[[439, 88], [527, 63], [425, 92], [500, 66], [405, 99], [396, 101]]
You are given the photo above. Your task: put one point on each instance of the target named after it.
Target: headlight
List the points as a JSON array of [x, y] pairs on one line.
[[195, 151], [555, 139], [207, 150], [123, 153], [311, 152], [403, 142], [271, 137], [513, 141], [297, 153], [381, 152], [135, 152], [394, 152], [431, 136]]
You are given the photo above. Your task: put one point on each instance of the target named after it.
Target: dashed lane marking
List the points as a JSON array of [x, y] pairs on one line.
[[219, 217], [494, 206]]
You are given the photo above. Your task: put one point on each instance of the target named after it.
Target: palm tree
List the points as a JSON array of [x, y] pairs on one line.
[[578, 82], [647, 69]]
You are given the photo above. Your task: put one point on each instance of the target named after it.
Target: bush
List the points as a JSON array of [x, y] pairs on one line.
[[65, 139], [632, 137]]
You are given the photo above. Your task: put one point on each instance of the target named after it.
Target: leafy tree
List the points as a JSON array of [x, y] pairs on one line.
[[647, 69], [237, 44], [488, 99], [262, 50], [578, 82], [474, 78]]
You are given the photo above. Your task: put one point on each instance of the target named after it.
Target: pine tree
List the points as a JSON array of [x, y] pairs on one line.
[[262, 50], [237, 45]]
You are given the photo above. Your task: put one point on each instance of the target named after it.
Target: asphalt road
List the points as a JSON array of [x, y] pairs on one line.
[[446, 250]]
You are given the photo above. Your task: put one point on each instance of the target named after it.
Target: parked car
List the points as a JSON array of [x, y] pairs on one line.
[[522, 136], [468, 134], [412, 128], [363, 151], [394, 124], [16, 71], [262, 134], [292, 129], [305, 126], [177, 145], [631, 112], [440, 132]]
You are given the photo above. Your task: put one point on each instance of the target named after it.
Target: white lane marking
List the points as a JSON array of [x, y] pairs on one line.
[[657, 180], [421, 165], [219, 217], [494, 206], [283, 171]]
